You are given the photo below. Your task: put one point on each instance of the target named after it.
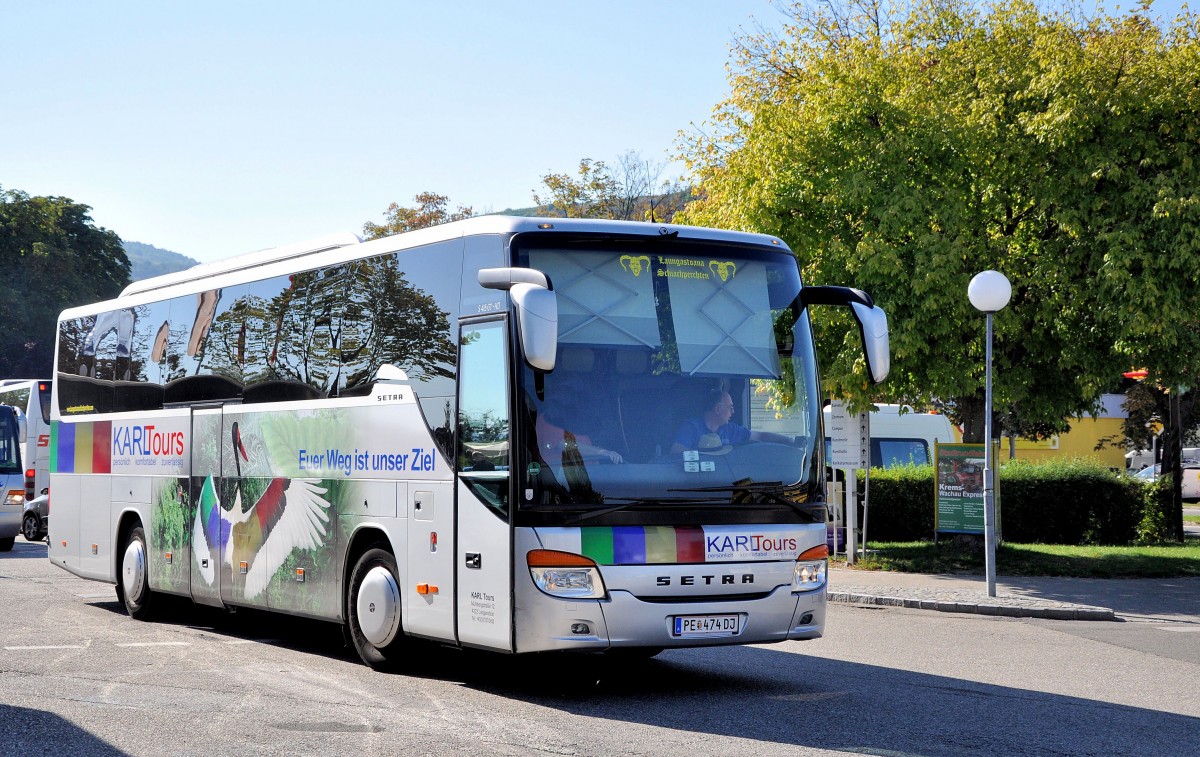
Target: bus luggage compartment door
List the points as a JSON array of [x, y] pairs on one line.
[[430, 561]]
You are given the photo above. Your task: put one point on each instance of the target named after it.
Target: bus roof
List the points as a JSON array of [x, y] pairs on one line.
[[491, 224]]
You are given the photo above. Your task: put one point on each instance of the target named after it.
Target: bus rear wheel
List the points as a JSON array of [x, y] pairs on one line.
[[373, 609], [133, 584]]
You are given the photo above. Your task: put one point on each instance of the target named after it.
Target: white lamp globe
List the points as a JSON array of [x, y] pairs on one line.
[[989, 291]]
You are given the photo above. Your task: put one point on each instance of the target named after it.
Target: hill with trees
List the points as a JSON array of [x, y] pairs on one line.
[[147, 261]]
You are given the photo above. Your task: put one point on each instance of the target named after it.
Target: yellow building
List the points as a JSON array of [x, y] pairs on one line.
[[1081, 440]]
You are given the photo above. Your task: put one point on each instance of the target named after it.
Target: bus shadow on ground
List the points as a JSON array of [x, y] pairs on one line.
[[304, 635], [26, 550], [769, 695], [764, 694], [29, 731]]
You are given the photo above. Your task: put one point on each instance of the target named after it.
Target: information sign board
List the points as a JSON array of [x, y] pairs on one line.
[[849, 437], [958, 496]]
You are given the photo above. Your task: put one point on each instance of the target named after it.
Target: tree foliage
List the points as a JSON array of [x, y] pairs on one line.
[[633, 190], [905, 149], [53, 258], [431, 210]]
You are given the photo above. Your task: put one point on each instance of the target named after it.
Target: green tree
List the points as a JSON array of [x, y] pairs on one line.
[[431, 210], [903, 150], [53, 258], [633, 190], [594, 194]]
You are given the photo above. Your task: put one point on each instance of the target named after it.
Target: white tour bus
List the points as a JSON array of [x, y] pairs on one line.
[[31, 399], [462, 433], [12, 496]]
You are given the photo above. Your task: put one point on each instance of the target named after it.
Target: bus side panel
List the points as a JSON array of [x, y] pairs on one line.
[[128, 494], [168, 535], [95, 527], [41, 459], [292, 471], [373, 505], [39, 444], [431, 558], [484, 575], [202, 521], [64, 526]]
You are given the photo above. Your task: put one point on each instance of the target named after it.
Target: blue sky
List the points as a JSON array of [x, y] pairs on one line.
[[217, 128]]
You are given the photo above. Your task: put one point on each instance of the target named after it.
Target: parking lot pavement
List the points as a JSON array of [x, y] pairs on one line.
[[1176, 600]]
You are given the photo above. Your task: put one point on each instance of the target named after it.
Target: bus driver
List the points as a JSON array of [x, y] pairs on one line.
[[716, 419]]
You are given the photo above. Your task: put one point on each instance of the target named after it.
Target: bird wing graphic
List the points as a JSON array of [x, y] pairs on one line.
[[204, 535], [234, 517], [290, 515]]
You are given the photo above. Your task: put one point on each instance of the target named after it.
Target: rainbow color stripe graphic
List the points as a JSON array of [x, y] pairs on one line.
[[81, 447], [643, 545]]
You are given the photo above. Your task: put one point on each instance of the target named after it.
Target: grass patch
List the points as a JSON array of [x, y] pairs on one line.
[[1191, 519], [1171, 560]]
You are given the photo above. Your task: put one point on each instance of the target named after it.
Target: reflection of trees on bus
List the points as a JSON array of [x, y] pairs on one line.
[[388, 320], [320, 333], [245, 329]]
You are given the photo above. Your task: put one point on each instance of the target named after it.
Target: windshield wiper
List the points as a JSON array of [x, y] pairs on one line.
[[767, 488], [631, 501]]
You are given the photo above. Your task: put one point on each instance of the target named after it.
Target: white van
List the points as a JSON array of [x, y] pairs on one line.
[[1137, 460], [902, 438]]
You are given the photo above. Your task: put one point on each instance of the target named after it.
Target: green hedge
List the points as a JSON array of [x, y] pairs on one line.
[[1056, 502]]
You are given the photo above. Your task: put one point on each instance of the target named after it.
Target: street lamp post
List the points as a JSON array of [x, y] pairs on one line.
[[989, 292]]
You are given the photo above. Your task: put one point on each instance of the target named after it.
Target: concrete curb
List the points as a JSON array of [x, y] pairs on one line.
[[1006, 606]]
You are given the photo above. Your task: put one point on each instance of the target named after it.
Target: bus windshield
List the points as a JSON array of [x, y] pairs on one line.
[[685, 381]]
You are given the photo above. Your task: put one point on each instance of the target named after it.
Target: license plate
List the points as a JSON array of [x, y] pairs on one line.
[[706, 625]]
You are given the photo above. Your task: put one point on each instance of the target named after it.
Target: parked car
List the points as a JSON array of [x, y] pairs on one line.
[[36, 521], [1191, 479]]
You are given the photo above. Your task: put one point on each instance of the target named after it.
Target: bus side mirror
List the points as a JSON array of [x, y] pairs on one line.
[[872, 323], [537, 324], [876, 343], [536, 308]]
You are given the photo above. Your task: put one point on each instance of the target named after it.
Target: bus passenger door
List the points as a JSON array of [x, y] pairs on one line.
[[484, 543], [204, 512]]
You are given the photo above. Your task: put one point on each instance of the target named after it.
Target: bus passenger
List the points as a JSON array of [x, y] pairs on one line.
[[551, 429]]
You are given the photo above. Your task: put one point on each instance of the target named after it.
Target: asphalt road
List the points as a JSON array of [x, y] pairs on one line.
[[79, 677]]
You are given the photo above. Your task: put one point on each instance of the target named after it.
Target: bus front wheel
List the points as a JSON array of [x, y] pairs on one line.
[[133, 584], [373, 609]]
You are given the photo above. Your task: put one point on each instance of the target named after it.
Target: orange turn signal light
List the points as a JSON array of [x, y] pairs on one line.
[[552, 558], [815, 553]]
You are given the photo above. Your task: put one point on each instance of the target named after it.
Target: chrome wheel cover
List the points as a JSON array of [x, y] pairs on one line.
[[133, 571], [378, 606]]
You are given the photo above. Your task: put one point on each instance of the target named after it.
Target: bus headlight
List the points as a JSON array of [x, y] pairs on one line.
[[564, 574], [15, 497], [810, 570]]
